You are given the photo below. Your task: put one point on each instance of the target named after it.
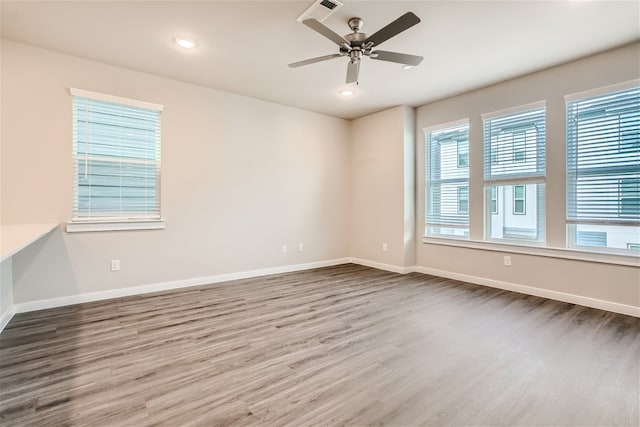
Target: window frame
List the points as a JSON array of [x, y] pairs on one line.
[[115, 222]]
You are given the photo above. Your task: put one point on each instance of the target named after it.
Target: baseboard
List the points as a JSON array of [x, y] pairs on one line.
[[615, 307], [382, 266], [529, 290], [6, 317], [137, 290], [165, 286]]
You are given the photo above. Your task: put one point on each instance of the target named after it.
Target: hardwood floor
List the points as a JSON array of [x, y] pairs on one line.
[[344, 345]]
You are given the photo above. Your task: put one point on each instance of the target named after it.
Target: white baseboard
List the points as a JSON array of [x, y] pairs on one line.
[[165, 286], [382, 266], [7, 316], [137, 290], [615, 307]]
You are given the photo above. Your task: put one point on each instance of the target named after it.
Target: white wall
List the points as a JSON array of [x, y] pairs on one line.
[[240, 178], [613, 283], [382, 188]]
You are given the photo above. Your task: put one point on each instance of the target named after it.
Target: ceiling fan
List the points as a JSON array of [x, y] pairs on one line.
[[356, 45]]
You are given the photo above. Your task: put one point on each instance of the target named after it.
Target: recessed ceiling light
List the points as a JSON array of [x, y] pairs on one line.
[[407, 67], [346, 92], [185, 42]]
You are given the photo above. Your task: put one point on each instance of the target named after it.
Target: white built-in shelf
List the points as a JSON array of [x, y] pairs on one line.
[[15, 237]]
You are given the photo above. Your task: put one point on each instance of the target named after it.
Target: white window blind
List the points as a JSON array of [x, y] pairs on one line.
[[116, 159], [603, 169], [447, 181], [514, 174], [515, 146]]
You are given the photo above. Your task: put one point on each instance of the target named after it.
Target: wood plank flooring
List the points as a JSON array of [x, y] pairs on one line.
[[344, 345]]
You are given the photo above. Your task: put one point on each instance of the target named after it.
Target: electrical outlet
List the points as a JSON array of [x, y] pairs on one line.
[[385, 247], [507, 260], [300, 247], [115, 265], [284, 249]]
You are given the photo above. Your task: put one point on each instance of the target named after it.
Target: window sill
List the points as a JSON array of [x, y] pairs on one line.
[[562, 253], [87, 226]]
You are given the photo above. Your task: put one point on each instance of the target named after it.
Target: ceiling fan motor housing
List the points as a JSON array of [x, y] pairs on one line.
[[356, 39]]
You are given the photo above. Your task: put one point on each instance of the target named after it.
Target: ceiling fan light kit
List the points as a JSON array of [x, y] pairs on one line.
[[357, 45]]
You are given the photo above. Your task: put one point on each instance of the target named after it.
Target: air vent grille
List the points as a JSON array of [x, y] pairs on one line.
[[328, 4], [320, 10]]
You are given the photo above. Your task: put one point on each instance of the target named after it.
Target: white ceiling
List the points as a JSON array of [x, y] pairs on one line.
[[245, 46]]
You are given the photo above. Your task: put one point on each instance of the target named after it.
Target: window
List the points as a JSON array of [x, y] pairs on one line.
[[591, 238], [447, 182], [633, 246], [629, 196], [494, 200], [463, 154], [463, 200], [519, 147], [116, 158], [603, 167], [519, 199], [515, 167]]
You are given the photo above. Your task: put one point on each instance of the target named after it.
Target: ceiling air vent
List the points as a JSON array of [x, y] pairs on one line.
[[320, 10]]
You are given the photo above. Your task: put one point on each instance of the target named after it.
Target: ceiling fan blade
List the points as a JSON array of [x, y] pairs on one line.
[[325, 31], [400, 58], [353, 70], [314, 60], [405, 22]]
